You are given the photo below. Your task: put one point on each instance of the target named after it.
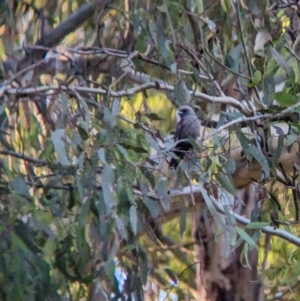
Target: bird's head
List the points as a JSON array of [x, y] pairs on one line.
[[184, 111]]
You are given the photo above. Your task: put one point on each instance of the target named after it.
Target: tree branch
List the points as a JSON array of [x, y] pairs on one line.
[[243, 220], [23, 157], [177, 204], [163, 86]]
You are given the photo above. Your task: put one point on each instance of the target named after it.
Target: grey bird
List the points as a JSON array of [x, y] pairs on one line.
[[188, 125]]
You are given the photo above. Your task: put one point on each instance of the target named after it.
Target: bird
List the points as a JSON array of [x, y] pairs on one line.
[[188, 125]]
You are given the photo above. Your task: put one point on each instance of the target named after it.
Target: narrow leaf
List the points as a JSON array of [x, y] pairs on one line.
[[108, 179], [120, 226], [257, 225], [152, 207], [211, 207], [19, 185], [225, 182], [133, 219], [58, 137], [245, 236]]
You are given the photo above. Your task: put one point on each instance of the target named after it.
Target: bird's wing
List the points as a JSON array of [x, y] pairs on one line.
[[188, 126]]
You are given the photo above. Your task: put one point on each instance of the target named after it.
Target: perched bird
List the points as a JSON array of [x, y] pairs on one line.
[[188, 125]]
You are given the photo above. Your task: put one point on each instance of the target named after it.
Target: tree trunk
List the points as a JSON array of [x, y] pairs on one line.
[[221, 276]]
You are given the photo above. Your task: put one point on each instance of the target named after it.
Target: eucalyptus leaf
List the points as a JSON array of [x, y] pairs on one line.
[[120, 226], [108, 180], [285, 99], [161, 187], [280, 139], [19, 185], [225, 183], [230, 166], [124, 152], [210, 206], [82, 132], [161, 40], [251, 150], [58, 140], [269, 89], [143, 266], [282, 62], [257, 225], [152, 207], [101, 155], [115, 109], [171, 274], [245, 236], [84, 211], [109, 118], [152, 141], [153, 116], [133, 219], [85, 107]]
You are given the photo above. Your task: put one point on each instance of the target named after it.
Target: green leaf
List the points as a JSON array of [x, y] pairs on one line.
[[281, 61], [161, 187], [58, 138], [120, 226], [19, 185], [124, 152], [256, 79], [180, 92], [170, 25], [87, 117], [225, 183], [257, 225], [161, 40], [245, 255], [24, 232], [136, 148], [109, 118], [115, 108], [133, 219], [152, 141], [109, 267], [211, 207], [251, 150], [170, 273], [199, 5], [269, 89], [84, 211], [280, 139], [143, 266], [153, 116], [230, 166], [241, 232], [152, 207], [285, 99], [101, 155], [108, 180], [82, 132]]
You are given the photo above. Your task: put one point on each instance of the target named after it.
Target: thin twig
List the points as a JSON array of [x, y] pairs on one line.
[[23, 157]]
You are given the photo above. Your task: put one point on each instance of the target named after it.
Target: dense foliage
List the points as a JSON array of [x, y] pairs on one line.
[[88, 94]]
